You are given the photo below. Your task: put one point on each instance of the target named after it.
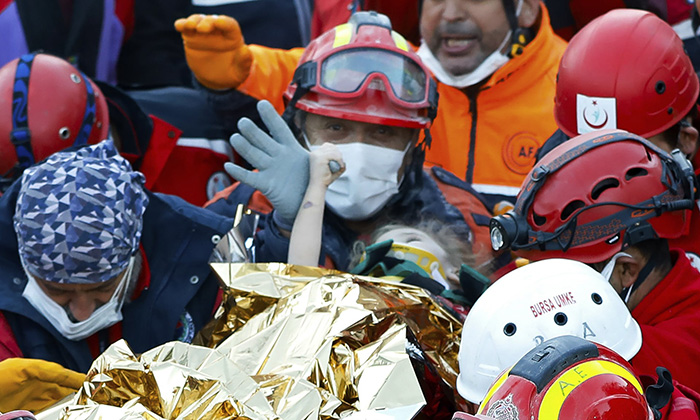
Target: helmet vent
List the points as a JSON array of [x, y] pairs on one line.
[[596, 298], [571, 208], [635, 172], [64, 133], [660, 87], [509, 329], [560, 318], [603, 185], [539, 220]]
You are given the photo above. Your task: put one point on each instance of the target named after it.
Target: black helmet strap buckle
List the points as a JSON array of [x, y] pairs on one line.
[[304, 79]]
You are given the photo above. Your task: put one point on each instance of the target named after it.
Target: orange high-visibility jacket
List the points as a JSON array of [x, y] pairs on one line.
[[489, 139]]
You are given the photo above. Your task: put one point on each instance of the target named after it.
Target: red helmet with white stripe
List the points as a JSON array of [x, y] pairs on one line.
[[363, 71], [566, 378]]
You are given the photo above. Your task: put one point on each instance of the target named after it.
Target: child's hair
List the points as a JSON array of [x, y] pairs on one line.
[[458, 249]]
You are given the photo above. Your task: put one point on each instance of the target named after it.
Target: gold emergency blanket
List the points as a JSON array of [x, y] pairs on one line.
[[288, 342]]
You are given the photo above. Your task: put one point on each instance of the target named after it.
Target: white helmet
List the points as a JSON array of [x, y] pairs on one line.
[[534, 303]]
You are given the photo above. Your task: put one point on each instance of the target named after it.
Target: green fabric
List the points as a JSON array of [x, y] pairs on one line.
[[377, 263], [473, 283], [374, 254]]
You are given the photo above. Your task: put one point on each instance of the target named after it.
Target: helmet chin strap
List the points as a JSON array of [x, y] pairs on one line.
[[20, 135], [626, 292], [512, 13], [519, 37]]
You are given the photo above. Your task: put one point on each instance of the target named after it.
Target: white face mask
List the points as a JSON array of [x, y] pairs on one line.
[[493, 62], [105, 316], [610, 266], [369, 181]]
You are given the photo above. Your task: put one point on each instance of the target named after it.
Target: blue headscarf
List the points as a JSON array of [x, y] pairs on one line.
[[79, 215]]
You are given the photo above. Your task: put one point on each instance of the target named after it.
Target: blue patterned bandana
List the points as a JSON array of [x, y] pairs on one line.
[[79, 215]]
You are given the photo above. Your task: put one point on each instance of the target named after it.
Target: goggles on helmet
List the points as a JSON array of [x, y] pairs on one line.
[[363, 71], [349, 73]]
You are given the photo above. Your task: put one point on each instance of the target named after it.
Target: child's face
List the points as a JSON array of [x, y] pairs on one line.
[[419, 239]]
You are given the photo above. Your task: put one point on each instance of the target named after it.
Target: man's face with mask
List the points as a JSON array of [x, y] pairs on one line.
[[462, 33], [321, 129], [376, 157], [80, 300]]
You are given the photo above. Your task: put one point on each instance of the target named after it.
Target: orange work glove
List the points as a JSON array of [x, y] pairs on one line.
[[33, 385], [215, 50]]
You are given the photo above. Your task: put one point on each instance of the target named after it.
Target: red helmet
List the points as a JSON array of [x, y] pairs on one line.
[[46, 106], [566, 378], [596, 195], [364, 71], [626, 69]]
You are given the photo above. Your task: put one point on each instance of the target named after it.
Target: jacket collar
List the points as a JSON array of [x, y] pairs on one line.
[[534, 61]]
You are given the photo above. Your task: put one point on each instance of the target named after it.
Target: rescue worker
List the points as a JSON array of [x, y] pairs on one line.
[[532, 304], [361, 88], [569, 378], [47, 105], [427, 254], [650, 90], [613, 200], [87, 254], [495, 61]]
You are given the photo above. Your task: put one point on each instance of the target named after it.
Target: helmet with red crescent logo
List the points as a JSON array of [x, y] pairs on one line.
[[566, 378], [626, 69], [596, 195]]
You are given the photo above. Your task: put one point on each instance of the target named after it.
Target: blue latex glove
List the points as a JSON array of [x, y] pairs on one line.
[[282, 163]]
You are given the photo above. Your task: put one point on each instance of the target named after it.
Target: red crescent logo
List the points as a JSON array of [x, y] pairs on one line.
[[594, 126]]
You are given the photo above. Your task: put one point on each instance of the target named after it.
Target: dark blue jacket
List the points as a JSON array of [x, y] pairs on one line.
[[92, 40], [153, 56], [559, 137], [177, 239]]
